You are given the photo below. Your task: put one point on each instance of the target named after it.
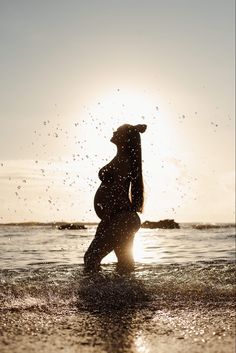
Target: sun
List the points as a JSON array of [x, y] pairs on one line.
[[93, 128], [100, 118]]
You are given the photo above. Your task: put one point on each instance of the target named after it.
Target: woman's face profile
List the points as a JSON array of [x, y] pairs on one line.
[[119, 136]]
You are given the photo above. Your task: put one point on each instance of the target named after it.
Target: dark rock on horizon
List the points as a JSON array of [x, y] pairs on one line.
[[71, 226], [212, 226], [164, 224]]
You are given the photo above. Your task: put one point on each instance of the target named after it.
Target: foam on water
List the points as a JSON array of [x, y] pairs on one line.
[[50, 287]]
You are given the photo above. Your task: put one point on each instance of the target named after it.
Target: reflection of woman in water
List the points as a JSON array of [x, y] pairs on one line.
[[118, 199]]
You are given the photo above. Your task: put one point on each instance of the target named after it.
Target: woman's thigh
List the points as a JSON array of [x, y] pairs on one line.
[[129, 224], [114, 234], [124, 225], [100, 246]]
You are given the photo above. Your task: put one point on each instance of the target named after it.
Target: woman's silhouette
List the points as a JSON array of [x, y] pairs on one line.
[[118, 199]]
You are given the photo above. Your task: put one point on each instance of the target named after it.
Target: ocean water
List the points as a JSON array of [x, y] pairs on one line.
[[42, 266], [26, 247]]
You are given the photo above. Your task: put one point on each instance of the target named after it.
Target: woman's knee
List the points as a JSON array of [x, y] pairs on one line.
[[97, 250]]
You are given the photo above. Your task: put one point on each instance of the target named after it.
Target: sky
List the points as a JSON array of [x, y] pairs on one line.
[[72, 71]]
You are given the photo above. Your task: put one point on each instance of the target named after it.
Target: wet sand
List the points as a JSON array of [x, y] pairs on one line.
[[171, 329]]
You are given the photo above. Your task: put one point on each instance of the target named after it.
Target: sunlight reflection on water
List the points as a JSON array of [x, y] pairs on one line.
[[146, 249], [141, 344], [25, 246]]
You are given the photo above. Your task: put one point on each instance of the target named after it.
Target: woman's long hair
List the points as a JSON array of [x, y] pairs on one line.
[[135, 154]]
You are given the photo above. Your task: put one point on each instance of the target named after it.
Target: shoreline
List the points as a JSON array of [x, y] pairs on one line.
[[188, 329]]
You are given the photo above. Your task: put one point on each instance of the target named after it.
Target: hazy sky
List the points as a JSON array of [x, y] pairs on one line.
[[73, 70]]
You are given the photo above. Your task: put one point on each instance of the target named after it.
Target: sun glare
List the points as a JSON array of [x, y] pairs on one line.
[[138, 251], [92, 131], [94, 127], [139, 248], [97, 121], [142, 249]]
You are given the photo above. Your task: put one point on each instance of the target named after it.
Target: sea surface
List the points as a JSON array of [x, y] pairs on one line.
[[28, 247], [41, 265], [182, 289]]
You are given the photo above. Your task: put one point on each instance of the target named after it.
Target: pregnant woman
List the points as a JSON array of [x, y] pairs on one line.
[[118, 199]]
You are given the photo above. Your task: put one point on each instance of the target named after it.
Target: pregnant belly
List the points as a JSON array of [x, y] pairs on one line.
[[109, 200]]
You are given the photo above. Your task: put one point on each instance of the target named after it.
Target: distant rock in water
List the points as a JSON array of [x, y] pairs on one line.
[[204, 226], [71, 226], [164, 224]]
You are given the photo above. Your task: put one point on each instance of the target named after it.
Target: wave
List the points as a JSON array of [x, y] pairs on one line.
[[50, 286]]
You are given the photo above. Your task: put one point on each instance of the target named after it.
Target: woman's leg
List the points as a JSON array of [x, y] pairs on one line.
[[99, 247], [117, 234], [129, 224]]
